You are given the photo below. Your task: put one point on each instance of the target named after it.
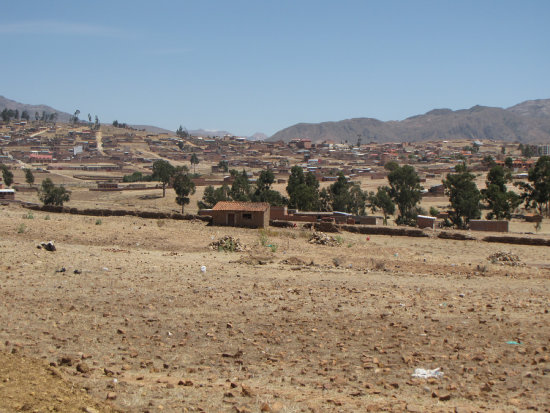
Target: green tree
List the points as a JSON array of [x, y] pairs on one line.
[[50, 194], [75, 116], [29, 177], [347, 196], [182, 133], [7, 175], [391, 166], [303, 190], [96, 123], [194, 161], [263, 191], [240, 189], [25, 115], [213, 195], [536, 194], [464, 196], [509, 162], [184, 186], [223, 165], [381, 200], [501, 201], [406, 192], [163, 171]]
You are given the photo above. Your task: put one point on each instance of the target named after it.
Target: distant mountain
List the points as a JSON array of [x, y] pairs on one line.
[[152, 129], [32, 109], [258, 136], [527, 122], [212, 133]]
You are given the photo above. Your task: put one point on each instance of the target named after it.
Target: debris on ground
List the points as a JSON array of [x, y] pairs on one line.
[[323, 239], [427, 374], [228, 243], [505, 258], [48, 246], [293, 261]]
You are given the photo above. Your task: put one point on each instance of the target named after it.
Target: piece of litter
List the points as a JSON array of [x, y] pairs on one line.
[[203, 269], [427, 374], [513, 343]]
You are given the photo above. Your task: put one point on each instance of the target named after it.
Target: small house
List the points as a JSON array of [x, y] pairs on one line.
[[7, 194], [241, 214]]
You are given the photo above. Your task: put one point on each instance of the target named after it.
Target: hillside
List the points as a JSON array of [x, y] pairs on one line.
[[6, 103], [527, 122]]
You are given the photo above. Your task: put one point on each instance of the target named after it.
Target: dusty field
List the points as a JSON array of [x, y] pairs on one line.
[[291, 327]]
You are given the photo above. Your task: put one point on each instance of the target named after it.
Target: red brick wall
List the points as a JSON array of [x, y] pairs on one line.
[[493, 226]]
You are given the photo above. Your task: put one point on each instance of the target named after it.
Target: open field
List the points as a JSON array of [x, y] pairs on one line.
[[286, 326]]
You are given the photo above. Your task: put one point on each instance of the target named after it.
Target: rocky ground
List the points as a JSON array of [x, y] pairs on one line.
[[122, 313]]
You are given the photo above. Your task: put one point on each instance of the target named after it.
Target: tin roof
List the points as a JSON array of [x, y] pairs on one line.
[[240, 206]]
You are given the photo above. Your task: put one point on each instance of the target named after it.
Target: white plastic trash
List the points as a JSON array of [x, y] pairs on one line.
[[203, 269], [428, 374]]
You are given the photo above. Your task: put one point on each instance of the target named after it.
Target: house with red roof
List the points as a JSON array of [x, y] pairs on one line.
[[240, 214]]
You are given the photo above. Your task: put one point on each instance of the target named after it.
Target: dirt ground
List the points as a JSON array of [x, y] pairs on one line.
[[122, 311]]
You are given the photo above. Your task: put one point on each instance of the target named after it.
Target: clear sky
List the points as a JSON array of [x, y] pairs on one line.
[[251, 66]]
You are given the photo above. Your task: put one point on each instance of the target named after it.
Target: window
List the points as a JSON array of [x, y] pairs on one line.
[[247, 216]]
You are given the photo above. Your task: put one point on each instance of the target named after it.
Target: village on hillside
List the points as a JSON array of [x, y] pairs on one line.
[[88, 157]]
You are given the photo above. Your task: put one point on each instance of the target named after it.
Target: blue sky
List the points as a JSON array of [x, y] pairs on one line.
[[249, 66]]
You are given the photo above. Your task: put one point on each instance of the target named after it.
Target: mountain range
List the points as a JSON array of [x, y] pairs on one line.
[[526, 122]]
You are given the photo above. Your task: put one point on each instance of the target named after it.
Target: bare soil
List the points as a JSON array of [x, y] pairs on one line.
[[124, 314]]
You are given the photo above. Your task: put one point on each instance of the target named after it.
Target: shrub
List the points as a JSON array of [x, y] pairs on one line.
[[98, 222]]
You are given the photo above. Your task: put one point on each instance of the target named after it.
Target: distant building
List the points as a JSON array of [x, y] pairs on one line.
[[240, 214], [544, 150], [8, 194]]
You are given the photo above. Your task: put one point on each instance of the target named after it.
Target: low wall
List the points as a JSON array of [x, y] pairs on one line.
[[491, 226], [456, 236], [375, 230], [518, 240], [115, 212]]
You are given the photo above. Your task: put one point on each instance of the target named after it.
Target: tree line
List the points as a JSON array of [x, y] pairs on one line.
[[8, 114], [402, 194]]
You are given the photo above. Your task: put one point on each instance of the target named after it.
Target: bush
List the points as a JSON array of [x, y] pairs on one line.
[[98, 222], [28, 215], [434, 211]]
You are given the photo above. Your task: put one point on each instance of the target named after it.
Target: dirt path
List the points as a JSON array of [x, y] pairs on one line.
[[99, 140]]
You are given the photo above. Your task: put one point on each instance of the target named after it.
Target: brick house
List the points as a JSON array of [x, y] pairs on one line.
[[240, 214]]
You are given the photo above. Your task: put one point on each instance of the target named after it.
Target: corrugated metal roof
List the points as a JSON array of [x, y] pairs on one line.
[[240, 206]]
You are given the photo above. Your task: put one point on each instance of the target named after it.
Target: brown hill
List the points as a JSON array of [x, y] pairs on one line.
[[6, 103], [527, 122]]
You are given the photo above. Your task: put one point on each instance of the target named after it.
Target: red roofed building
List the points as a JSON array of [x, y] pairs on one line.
[[40, 157], [240, 214]]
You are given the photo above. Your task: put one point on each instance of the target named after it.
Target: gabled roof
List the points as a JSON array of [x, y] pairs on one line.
[[240, 206]]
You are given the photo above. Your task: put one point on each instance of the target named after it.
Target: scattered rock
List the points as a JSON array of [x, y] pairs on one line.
[[246, 391], [321, 238], [506, 258], [82, 368], [228, 243]]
